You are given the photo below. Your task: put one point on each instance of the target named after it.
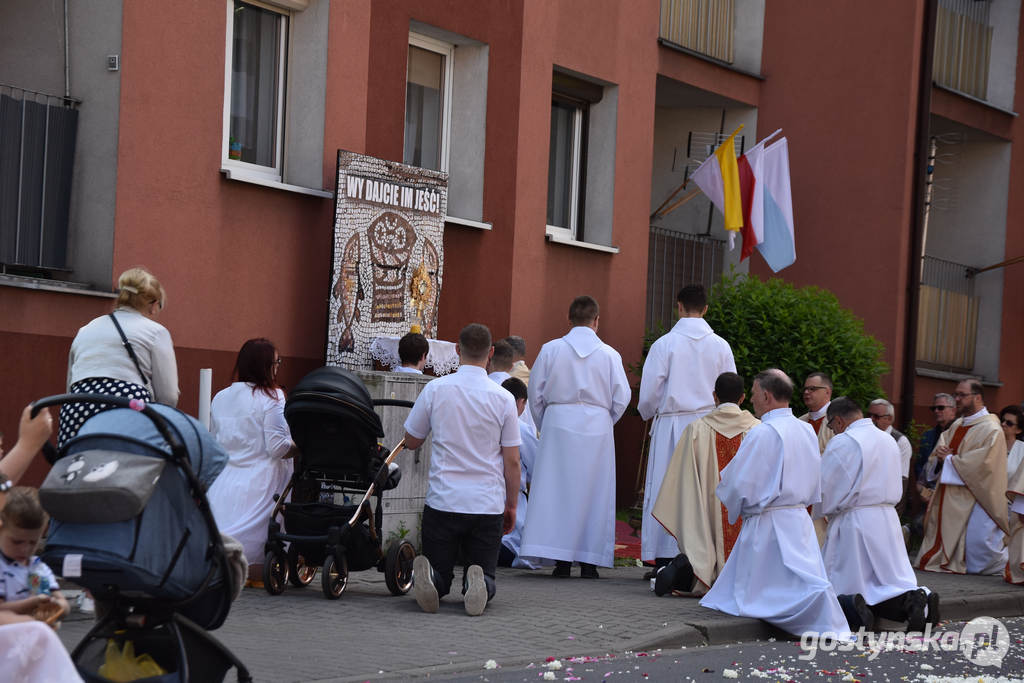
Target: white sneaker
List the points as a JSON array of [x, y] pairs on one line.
[[423, 584], [475, 596]]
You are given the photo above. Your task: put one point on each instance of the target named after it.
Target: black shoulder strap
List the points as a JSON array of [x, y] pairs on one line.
[[130, 350]]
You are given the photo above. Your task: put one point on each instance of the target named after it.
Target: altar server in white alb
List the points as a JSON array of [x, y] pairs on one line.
[[775, 570], [864, 550], [501, 361], [676, 388], [578, 390], [509, 555]]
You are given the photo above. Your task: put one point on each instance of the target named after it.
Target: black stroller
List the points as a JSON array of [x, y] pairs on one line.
[[332, 421], [131, 523]]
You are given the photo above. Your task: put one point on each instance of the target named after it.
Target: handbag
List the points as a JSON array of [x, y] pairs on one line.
[[100, 486], [146, 382]]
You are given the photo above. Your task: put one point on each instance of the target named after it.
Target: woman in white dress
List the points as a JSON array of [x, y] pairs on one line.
[[247, 419]]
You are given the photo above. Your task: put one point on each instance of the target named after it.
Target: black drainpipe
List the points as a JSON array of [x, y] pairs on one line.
[[924, 100]]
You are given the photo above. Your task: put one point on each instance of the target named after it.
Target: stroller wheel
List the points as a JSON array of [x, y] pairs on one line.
[[275, 573], [299, 573], [398, 567], [334, 577]]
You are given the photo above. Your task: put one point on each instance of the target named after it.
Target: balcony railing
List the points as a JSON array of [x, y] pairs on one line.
[[677, 259], [37, 148], [963, 46], [704, 26], [947, 321]]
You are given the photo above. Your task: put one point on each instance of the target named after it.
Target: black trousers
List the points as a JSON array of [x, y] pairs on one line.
[[449, 536]]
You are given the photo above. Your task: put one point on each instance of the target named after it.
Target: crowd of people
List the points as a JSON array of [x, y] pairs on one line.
[[794, 520]]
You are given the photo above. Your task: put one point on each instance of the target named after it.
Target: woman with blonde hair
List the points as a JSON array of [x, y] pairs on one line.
[[125, 353]]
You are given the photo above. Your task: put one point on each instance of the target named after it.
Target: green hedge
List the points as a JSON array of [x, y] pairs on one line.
[[800, 330]]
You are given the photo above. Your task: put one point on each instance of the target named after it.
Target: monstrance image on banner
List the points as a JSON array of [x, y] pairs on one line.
[[388, 255]]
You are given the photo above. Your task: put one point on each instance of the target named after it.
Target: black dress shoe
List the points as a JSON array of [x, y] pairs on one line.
[[561, 569], [933, 609], [914, 605], [588, 571], [857, 612], [676, 575]]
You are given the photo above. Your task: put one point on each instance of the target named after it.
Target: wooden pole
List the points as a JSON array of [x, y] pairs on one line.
[[681, 201], [1002, 264], [669, 198]]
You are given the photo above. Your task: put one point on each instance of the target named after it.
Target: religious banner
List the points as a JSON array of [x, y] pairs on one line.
[[388, 254]]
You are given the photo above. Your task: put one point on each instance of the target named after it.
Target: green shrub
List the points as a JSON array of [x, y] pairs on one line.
[[774, 324]]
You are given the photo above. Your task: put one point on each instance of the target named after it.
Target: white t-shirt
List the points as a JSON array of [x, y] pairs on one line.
[[471, 419], [18, 581]]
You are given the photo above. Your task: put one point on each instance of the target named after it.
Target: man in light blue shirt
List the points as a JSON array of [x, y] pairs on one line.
[[412, 352]]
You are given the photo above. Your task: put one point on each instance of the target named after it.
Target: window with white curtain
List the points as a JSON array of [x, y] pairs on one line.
[[254, 116], [428, 102]]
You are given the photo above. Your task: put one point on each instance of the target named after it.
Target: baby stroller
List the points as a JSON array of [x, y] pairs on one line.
[[332, 421], [130, 522]]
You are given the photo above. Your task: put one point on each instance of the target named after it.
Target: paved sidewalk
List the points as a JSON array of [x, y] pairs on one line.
[[367, 634]]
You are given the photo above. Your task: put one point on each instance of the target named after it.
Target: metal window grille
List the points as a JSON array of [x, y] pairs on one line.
[[674, 260], [704, 26], [947, 322], [963, 46], [37, 148]]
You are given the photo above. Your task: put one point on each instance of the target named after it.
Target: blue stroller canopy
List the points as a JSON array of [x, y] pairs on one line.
[[206, 455]]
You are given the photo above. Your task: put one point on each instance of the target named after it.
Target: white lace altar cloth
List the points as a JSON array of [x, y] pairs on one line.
[[441, 357]]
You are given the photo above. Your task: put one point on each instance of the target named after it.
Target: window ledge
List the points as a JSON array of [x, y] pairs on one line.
[[582, 245], [469, 223], [53, 286], [955, 376], [242, 176]]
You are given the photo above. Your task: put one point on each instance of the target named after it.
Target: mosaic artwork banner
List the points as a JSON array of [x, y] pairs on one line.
[[388, 256]]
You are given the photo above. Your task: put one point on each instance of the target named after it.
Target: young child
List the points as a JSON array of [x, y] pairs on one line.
[[27, 585]]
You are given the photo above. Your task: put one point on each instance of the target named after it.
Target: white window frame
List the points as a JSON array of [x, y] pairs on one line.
[[571, 231], [446, 50], [276, 173]]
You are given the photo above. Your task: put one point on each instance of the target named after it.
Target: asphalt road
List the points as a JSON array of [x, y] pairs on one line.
[[787, 661]]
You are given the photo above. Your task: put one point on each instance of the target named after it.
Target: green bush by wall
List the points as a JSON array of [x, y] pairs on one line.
[[799, 330]]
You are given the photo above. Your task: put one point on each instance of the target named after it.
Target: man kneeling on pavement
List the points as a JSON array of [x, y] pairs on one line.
[[473, 483], [687, 505], [864, 552], [864, 558]]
